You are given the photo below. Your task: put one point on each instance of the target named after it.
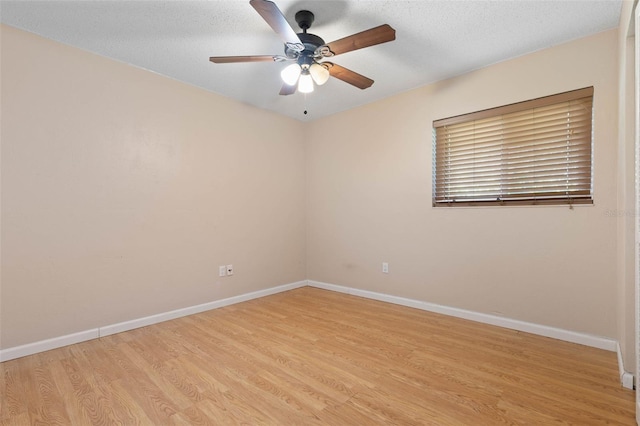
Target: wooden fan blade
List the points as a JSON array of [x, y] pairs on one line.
[[348, 76], [377, 35], [287, 90], [232, 59], [276, 20]]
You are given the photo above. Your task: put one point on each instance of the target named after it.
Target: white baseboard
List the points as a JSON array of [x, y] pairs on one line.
[[48, 344], [94, 333], [542, 330], [165, 316], [626, 378]]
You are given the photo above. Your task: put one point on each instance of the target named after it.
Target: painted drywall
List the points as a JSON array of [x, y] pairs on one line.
[[626, 188], [369, 201], [123, 191]]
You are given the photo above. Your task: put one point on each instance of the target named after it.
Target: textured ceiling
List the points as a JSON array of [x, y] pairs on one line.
[[435, 40]]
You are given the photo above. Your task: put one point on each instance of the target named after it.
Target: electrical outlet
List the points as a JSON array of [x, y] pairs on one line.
[[385, 267], [229, 269], [222, 271]]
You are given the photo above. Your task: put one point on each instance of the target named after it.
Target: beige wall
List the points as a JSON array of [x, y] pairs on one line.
[[369, 201], [122, 192], [626, 188]]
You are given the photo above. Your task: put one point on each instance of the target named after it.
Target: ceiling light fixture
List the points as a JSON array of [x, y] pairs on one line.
[[305, 50], [306, 70], [320, 73], [305, 84], [290, 74], [305, 75]]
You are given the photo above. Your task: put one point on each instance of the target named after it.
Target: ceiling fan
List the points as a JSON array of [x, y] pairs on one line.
[[307, 50]]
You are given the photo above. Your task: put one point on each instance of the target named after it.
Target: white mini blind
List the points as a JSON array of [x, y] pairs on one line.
[[533, 152]]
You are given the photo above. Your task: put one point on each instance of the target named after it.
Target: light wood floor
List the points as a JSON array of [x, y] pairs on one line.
[[311, 357]]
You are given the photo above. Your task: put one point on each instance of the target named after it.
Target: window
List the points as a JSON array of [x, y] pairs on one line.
[[533, 152]]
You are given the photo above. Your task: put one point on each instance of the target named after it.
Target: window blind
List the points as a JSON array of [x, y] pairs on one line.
[[533, 152]]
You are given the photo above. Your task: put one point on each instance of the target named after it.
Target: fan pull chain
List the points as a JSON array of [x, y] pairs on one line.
[[305, 104]]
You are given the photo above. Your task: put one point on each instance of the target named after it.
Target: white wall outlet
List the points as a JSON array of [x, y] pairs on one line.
[[222, 271], [385, 267], [229, 269]]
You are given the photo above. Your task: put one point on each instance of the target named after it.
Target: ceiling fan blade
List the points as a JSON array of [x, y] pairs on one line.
[[287, 90], [348, 76], [232, 59], [276, 20], [371, 37]]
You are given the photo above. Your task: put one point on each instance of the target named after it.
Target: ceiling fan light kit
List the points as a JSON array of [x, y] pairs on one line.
[[290, 74], [305, 84], [319, 73], [307, 50]]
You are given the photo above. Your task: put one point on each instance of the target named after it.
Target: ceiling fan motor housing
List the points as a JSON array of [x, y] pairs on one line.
[[311, 42]]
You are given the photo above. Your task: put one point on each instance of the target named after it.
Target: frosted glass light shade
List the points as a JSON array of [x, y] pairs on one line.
[[290, 74], [319, 73], [305, 85]]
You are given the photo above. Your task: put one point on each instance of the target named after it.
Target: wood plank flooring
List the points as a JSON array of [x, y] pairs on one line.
[[315, 357]]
